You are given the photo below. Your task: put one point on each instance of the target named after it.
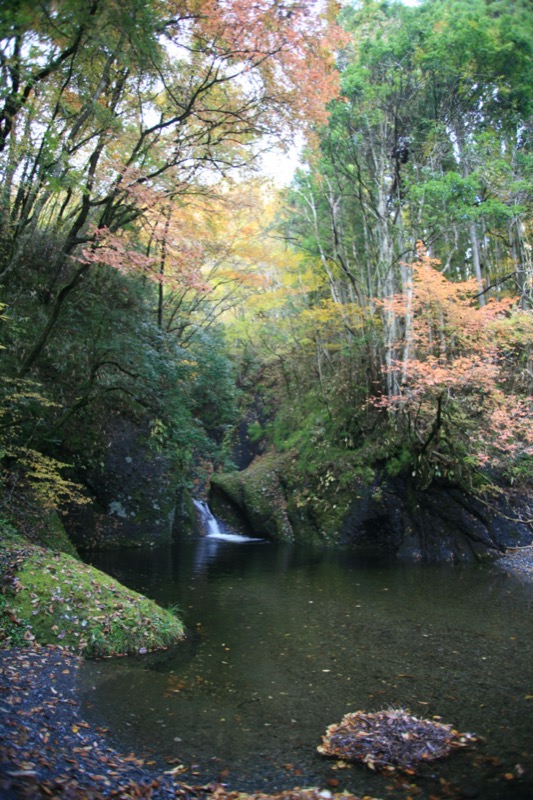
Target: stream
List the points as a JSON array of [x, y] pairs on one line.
[[284, 640]]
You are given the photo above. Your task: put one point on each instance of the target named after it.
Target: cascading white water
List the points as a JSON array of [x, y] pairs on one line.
[[216, 530], [209, 523]]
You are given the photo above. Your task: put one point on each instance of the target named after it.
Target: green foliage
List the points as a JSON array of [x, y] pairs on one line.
[[400, 463], [213, 395], [23, 410], [256, 432], [43, 477], [428, 141], [108, 356]]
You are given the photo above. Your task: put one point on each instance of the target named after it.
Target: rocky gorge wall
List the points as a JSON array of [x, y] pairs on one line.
[[137, 500], [440, 524], [135, 493]]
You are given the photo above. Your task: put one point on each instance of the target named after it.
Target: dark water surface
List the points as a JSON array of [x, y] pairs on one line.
[[285, 640]]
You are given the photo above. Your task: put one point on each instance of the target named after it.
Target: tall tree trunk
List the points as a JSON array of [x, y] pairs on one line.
[[476, 261]]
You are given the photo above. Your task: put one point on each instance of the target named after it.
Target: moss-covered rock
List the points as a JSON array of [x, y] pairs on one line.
[[331, 503], [44, 527], [54, 598], [272, 498], [255, 498]]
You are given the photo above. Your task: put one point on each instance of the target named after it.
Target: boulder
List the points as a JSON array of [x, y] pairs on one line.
[[253, 501]]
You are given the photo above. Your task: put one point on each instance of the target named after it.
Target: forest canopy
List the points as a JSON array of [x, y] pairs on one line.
[[380, 306]]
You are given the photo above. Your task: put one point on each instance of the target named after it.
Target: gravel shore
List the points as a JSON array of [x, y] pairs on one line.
[[46, 748], [519, 560]]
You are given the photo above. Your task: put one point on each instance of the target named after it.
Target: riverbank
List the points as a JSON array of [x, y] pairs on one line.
[[518, 561], [52, 597], [48, 750]]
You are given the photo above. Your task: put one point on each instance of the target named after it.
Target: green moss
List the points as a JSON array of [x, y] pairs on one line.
[[40, 526], [53, 535], [285, 500], [57, 599], [14, 631], [257, 491]]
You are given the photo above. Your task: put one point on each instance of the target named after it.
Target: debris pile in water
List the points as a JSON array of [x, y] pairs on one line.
[[391, 739]]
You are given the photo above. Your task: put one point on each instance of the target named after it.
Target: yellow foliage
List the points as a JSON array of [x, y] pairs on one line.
[[43, 475]]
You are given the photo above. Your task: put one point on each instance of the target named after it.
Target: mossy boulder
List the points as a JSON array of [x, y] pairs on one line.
[[254, 499], [53, 598], [272, 498]]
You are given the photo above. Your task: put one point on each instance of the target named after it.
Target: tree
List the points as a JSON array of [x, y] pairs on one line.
[[135, 99], [429, 140], [116, 121], [454, 412]]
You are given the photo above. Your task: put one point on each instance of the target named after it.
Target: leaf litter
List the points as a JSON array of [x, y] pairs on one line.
[[49, 752], [391, 740]]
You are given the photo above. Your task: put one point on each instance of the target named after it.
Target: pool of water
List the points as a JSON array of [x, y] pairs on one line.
[[284, 640]]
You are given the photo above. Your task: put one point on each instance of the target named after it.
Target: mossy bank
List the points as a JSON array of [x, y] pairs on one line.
[[52, 597], [274, 498]]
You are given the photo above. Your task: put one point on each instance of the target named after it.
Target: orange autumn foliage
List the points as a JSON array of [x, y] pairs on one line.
[[291, 45], [452, 402]]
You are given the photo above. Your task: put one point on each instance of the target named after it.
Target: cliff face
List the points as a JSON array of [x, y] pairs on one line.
[[134, 494], [442, 523]]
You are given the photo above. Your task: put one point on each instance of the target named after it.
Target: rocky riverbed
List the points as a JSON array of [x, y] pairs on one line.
[[518, 560]]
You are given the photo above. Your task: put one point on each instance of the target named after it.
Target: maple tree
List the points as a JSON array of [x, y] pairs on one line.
[[140, 98], [453, 410]]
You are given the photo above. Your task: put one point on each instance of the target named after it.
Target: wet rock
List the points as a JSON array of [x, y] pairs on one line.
[[440, 524], [133, 494]]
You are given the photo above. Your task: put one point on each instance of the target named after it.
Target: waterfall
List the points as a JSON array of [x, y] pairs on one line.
[[215, 529]]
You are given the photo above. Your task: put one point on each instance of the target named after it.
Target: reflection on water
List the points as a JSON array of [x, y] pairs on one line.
[[284, 640]]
